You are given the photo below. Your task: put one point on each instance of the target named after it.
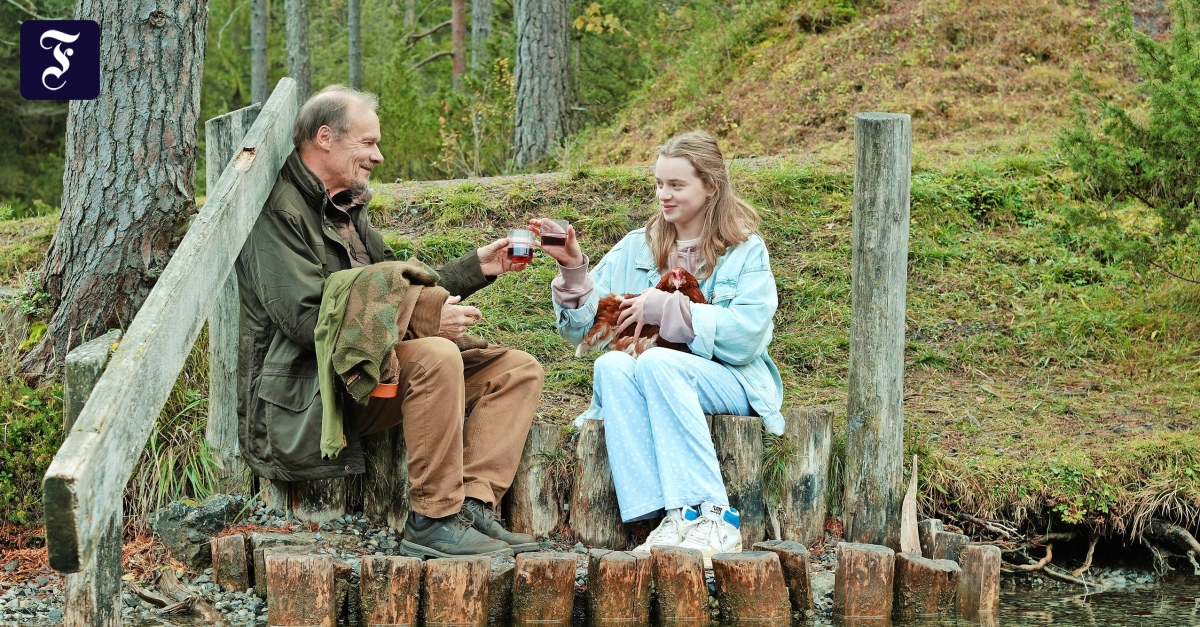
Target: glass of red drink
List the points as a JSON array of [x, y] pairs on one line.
[[555, 234], [520, 245]]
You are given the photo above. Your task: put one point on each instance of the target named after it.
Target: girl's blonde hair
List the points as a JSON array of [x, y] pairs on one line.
[[728, 220]]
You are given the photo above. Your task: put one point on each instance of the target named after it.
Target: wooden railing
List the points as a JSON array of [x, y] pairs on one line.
[[84, 485]]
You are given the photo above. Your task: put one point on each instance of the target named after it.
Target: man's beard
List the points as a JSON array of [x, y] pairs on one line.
[[359, 187]]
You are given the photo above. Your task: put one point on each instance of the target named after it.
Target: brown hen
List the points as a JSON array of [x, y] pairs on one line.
[[604, 329]]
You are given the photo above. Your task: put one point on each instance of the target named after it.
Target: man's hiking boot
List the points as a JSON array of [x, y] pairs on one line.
[[487, 523], [454, 536]]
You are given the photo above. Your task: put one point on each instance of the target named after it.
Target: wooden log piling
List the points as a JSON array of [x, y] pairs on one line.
[[595, 516], [802, 506], [923, 587], [499, 609], [925, 532], [862, 587], [751, 588], [300, 589], [947, 545], [230, 567], [682, 592], [739, 446], [979, 583], [534, 504], [456, 591], [794, 559], [874, 486], [389, 590], [543, 590], [618, 587], [386, 482]]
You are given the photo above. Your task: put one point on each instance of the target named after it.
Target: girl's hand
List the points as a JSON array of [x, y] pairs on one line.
[[568, 255], [633, 312]]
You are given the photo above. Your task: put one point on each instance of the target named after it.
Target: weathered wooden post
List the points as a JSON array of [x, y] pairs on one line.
[[223, 139], [533, 504], [455, 591], [750, 588], [92, 596], [230, 567], [618, 587], [922, 586], [389, 590], [926, 529], [679, 579], [794, 559], [595, 515], [300, 589], [739, 447], [386, 484], [978, 593], [947, 545], [862, 587], [543, 590], [802, 507], [874, 486]]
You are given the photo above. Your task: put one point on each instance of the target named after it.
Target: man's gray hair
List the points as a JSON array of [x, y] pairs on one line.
[[330, 107]]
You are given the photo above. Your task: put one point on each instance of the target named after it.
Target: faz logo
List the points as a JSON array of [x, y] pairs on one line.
[[60, 59]]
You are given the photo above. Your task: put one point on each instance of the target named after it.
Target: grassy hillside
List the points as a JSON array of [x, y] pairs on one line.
[[1041, 382], [787, 76]]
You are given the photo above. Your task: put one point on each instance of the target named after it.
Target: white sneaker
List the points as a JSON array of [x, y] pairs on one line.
[[717, 531], [673, 528]]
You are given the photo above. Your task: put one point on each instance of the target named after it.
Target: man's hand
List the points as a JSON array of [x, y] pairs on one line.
[[456, 318], [494, 261]]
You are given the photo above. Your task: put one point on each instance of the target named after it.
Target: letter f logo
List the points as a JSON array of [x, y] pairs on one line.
[[60, 59]]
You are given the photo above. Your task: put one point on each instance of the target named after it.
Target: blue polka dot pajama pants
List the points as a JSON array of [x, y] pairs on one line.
[[659, 445]]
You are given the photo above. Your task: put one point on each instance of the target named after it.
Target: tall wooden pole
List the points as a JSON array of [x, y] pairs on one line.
[[259, 91], [874, 488], [297, 47], [458, 40]]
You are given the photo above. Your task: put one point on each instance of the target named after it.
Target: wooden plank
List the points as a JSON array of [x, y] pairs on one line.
[[923, 587], [739, 447], [222, 139], [862, 587], [595, 515], [533, 504], [682, 591], [84, 365], [802, 506], [794, 559], [92, 596], [229, 563], [543, 588], [455, 591], [390, 591], [750, 587], [874, 487], [300, 590], [85, 482]]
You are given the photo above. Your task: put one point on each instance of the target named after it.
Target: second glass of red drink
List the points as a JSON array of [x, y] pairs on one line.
[[520, 245]]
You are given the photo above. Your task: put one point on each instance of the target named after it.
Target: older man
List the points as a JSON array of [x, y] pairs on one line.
[[315, 223]]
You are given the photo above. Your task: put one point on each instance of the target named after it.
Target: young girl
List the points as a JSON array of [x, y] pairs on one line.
[[659, 445]]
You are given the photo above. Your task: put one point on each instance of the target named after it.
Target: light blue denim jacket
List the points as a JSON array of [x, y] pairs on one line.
[[734, 328]]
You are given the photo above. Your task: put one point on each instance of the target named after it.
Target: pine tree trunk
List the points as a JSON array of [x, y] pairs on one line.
[[542, 78], [258, 51], [481, 32], [410, 13], [297, 46], [458, 40], [129, 177], [355, 45]]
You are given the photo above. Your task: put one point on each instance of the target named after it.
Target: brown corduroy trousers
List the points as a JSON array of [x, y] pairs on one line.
[[495, 388]]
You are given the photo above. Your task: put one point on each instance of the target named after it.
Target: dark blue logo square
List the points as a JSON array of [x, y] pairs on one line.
[[60, 59]]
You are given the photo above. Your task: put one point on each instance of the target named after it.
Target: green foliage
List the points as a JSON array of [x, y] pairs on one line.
[[30, 432], [1149, 151], [476, 127]]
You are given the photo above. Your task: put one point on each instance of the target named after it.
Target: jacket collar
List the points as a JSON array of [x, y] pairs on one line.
[[310, 187]]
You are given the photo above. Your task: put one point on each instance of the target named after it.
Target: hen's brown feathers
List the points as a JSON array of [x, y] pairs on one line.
[[608, 310]]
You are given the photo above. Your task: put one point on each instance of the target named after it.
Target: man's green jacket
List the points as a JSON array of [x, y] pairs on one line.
[[281, 273]]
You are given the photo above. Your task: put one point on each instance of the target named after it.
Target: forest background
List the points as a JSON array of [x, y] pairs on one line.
[[1051, 362]]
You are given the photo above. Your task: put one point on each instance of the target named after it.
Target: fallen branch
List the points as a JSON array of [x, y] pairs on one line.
[[1087, 562], [1039, 565], [172, 587], [1166, 532], [1061, 536], [1061, 576], [995, 528], [152, 598]]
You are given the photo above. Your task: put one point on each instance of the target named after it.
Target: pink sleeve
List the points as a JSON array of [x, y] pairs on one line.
[[675, 324], [572, 286]]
